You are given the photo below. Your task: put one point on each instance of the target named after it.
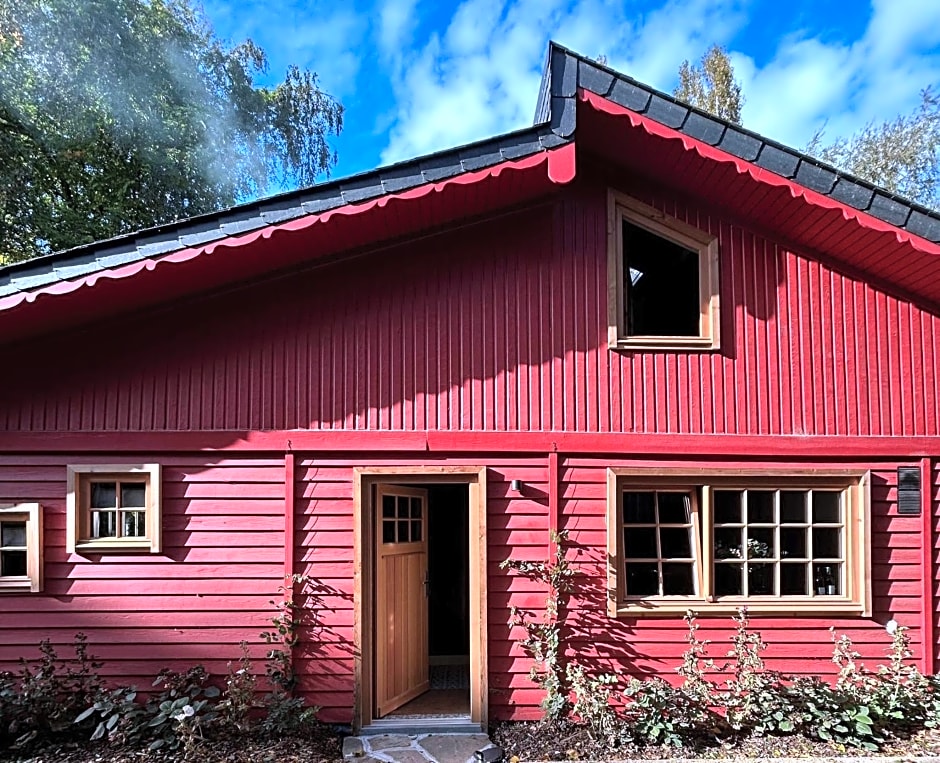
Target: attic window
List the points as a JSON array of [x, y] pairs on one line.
[[664, 280]]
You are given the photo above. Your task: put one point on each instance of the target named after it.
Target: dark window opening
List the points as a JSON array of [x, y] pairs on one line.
[[661, 283]]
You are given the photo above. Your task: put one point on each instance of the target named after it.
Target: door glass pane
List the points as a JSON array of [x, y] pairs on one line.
[[403, 512], [639, 508], [727, 507], [792, 506], [13, 534], [640, 543], [12, 563], [416, 530], [103, 495], [728, 579], [760, 506], [388, 532], [674, 508], [678, 579], [403, 535], [388, 507], [133, 495], [642, 579], [415, 508]]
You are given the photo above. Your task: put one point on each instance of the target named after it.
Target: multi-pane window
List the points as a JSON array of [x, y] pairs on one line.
[[402, 519], [780, 542], [21, 548], [114, 508]]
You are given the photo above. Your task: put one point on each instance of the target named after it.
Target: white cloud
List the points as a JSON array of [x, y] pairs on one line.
[[480, 77], [397, 21]]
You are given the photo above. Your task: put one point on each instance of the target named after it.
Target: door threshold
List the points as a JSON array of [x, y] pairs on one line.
[[446, 724]]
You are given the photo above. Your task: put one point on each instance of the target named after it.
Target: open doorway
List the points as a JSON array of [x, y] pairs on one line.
[[420, 597], [448, 600]]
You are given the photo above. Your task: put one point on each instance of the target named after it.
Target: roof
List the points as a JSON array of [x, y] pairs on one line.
[[570, 84]]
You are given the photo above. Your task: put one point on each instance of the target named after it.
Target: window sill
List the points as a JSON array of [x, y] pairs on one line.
[[795, 606], [143, 545], [18, 584], [667, 343]]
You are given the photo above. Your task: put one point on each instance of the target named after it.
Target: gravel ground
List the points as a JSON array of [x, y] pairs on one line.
[[535, 741]]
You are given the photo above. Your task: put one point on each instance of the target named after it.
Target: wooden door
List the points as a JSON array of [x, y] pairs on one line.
[[401, 604]]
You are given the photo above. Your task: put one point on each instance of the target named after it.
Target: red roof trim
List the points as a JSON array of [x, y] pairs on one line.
[[559, 165], [759, 174]]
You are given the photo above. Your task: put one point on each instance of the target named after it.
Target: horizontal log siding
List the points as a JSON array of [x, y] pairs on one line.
[[223, 560], [517, 526], [650, 645], [500, 326]]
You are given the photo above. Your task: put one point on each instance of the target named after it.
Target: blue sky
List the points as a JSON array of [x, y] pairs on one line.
[[418, 76]]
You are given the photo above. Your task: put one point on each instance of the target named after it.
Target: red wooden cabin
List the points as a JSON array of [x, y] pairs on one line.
[[710, 359]]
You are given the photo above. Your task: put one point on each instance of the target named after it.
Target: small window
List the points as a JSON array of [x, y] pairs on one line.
[[21, 548], [664, 280], [779, 543], [114, 508]]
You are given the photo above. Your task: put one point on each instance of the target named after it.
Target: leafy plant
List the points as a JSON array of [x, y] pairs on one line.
[[180, 713], [660, 713], [592, 702], [121, 719], [238, 697], [544, 637]]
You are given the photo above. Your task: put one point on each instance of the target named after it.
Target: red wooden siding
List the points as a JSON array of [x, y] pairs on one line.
[[223, 540], [499, 327]]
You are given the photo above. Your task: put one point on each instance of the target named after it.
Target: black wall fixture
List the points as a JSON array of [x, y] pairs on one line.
[[909, 490]]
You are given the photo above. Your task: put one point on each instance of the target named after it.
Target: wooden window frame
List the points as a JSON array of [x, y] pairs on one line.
[[78, 540], [31, 514], [854, 485], [620, 208]]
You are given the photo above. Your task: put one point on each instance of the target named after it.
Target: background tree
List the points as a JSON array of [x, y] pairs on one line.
[[117, 115], [901, 154], [711, 85]]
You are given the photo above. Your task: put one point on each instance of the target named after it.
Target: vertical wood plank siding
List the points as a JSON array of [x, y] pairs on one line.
[[499, 327], [223, 560]]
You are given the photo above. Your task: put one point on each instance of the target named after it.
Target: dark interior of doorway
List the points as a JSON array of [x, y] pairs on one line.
[[448, 605]]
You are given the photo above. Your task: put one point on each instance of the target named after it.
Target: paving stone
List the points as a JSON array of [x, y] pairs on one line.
[[352, 747], [453, 748], [404, 756], [389, 742]]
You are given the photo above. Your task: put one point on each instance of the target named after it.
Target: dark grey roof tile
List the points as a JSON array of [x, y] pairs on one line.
[[79, 266], [401, 177], [274, 216], [150, 246], [564, 116], [783, 163], [703, 128], [201, 232], [564, 74], [34, 280], [232, 224], [594, 78], [630, 96], [551, 140], [439, 167], [890, 210], [115, 256], [740, 144], [815, 178], [359, 189], [517, 149], [924, 226], [666, 112], [480, 156], [849, 192], [314, 205]]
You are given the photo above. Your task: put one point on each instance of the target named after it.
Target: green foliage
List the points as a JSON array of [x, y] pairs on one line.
[[43, 700], [592, 702], [901, 154], [180, 713], [659, 713], [238, 697], [117, 115], [119, 717], [544, 638], [710, 85]]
